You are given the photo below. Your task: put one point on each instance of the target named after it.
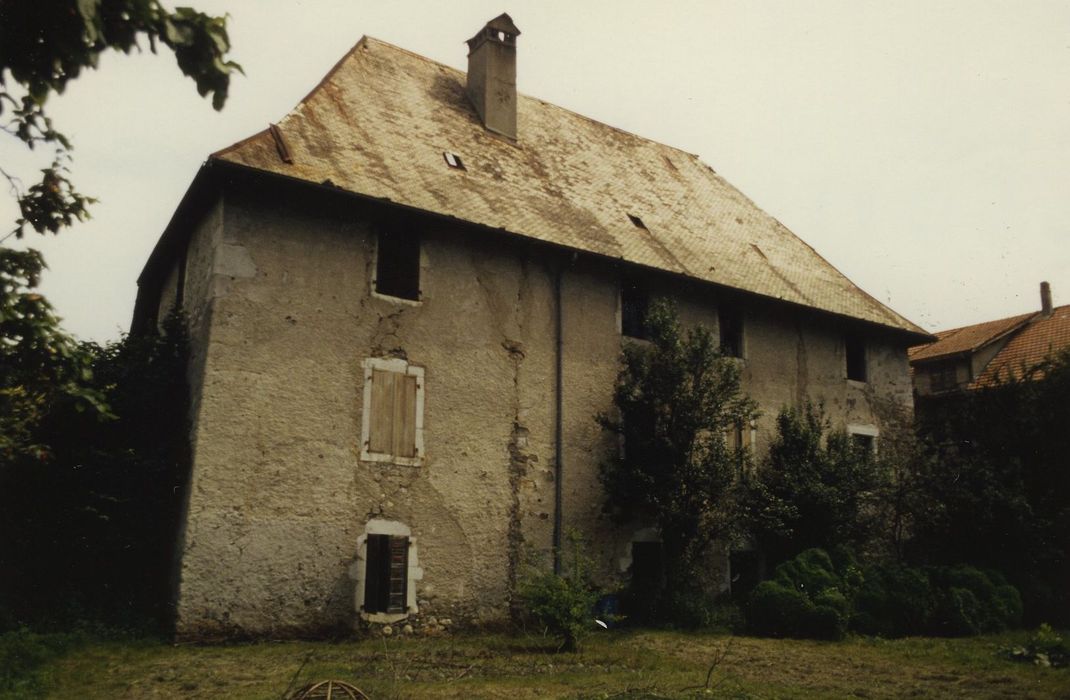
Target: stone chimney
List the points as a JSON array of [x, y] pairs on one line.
[[1045, 298], [492, 75]]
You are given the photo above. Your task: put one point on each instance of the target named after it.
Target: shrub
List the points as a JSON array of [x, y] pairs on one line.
[[968, 601], [804, 599], [563, 604], [1045, 647], [893, 601]]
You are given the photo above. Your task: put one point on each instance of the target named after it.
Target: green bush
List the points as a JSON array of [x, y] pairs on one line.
[[804, 599], [893, 601], [776, 610], [563, 604], [969, 601], [1045, 647]]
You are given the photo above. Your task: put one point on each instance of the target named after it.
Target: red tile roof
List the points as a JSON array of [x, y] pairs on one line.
[[968, 338], [1036, 342]]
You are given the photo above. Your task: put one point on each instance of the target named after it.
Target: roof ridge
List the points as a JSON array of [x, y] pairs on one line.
[[553, 105], [1022, 316]]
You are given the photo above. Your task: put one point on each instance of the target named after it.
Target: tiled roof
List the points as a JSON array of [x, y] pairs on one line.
[[967, 338], [1028, 348], [379, 124]]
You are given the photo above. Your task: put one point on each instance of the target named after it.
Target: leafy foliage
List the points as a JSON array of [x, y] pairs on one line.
[[805, 598], [811, 490], [676, 397], [563, 604], [45, 45], [996, 490], [41, 367], [94, 526], [811, 596], [1045, 647]]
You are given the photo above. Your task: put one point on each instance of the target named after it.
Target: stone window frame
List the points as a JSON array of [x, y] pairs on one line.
[[359, 570], [401, 366], [867, 430]]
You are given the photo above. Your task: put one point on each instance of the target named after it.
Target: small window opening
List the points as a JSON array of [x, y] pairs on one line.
[[943, 376], [386, 574], [730, 326], [865, 444], [397, 266], [746, 570], [634, 304], [648, 569], [636, 221], [739, 438], [453, 160], [856, 359]]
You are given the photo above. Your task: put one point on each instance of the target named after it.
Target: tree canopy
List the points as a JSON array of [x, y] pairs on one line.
[[676, 399], [43, 46]]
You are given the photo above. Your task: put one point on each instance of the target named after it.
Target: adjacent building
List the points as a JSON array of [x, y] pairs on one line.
[[407, 301], [984, 354]]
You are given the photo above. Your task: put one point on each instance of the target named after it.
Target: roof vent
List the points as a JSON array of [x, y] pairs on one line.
[[492, 75], [453, 160]]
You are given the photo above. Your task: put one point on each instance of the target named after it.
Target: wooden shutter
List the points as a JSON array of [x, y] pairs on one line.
[[399, 575], [381, 428], [404, 416]]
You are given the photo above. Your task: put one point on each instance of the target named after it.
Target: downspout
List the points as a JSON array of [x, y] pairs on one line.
[[558, 427]]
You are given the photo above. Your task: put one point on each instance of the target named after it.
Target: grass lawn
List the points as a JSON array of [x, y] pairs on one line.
[[631, 664]]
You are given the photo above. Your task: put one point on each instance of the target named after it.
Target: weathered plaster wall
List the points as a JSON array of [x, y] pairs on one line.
[[283, 318]]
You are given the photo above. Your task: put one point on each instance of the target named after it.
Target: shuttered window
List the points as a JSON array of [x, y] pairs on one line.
[[386, 574], [738, 438], [393, 412]]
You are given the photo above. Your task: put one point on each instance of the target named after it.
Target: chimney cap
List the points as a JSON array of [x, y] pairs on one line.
[[501, 29]]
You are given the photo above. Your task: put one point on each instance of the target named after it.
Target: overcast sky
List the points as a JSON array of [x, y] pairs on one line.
[[923, 148]]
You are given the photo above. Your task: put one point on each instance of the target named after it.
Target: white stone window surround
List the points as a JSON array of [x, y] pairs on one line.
[[391, 364], [374, 277], [359, 570], [867, 429]]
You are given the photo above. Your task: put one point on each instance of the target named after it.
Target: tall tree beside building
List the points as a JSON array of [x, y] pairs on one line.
[[676, 398]]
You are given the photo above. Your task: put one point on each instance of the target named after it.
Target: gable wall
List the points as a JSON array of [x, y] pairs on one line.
[[279, 496]]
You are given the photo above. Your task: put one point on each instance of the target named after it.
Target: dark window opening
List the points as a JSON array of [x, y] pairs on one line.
[[739, 439], [730, 324], [943, 376], [397, 266], [648, 569], [746, 570], [863, 443], [636, 221], [634, 303], [856, 359], [386, 576]]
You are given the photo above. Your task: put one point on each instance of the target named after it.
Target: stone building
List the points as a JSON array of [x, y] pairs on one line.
[[407, 301], [973, 357]]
